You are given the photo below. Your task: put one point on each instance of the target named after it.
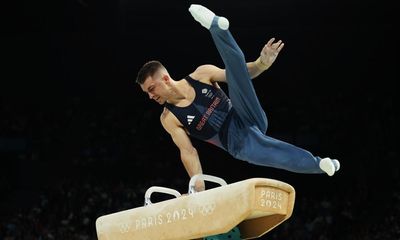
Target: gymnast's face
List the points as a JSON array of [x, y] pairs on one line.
[[157, 87]]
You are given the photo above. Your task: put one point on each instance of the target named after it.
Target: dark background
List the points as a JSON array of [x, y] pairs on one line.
[[78, 138]]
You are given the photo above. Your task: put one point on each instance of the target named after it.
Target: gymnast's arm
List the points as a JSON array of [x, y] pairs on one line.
[[189, 155], [268, 55], [270, 51]]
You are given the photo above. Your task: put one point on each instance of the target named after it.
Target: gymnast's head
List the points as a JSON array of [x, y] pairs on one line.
[[155, 80]]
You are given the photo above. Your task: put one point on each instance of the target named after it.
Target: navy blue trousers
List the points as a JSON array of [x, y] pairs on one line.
[[246, 132]]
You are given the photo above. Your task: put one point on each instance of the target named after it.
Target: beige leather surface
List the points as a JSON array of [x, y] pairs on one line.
[[257, 205]]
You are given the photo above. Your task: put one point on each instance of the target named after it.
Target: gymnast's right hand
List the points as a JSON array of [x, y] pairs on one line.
[[199, 186]]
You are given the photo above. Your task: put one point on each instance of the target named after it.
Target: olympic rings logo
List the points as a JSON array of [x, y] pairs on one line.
[[207, 209], [124, 228]]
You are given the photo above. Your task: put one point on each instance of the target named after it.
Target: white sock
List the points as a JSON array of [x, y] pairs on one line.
[[223, 23], [205, 17], [327, 166], [337, 164]]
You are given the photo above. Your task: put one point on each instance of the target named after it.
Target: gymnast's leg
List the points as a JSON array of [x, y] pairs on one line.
[[240, 87], [248, 108]]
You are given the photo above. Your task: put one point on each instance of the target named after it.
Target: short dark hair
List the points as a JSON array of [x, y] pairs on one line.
[[148, 70]]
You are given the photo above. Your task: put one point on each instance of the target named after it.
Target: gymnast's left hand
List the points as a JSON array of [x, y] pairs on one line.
[[270, 51]]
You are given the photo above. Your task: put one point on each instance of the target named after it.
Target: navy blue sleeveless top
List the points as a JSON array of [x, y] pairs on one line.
[[207, 116]]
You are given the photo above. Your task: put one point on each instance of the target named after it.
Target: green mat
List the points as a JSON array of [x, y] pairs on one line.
[[233, 234]]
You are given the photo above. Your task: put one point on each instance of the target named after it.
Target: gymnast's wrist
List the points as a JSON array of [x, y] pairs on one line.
[[260, 65], [200, 186]]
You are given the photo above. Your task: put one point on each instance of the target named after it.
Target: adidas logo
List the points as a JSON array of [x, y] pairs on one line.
[[190, 119]]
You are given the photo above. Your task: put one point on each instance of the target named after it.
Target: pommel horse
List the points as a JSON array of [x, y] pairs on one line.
[[255, 206]]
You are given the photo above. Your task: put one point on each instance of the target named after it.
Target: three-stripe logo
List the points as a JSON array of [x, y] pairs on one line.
[[190, 119]]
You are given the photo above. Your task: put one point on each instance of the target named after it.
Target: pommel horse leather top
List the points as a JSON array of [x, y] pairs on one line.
[[255, 205]]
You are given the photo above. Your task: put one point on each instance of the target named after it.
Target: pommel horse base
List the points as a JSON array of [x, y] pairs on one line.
[[255, 205]]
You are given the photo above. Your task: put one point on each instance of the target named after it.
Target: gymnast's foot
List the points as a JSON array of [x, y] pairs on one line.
[[205, 17], [330, 166], [337, 164]]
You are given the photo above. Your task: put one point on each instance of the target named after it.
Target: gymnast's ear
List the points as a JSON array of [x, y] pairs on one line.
[[166, 79]]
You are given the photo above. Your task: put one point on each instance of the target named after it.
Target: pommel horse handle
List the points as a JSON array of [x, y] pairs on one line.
[[170, 191], [204, 177]]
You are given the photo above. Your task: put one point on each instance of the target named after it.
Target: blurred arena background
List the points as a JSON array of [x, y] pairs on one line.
[[79, 139]]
